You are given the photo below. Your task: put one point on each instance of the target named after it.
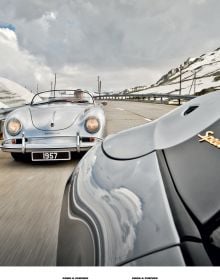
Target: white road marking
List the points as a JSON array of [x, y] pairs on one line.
[[120, 109]]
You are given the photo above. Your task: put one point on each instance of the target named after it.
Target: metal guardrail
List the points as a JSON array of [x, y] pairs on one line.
[[163, 98], [150, 97]]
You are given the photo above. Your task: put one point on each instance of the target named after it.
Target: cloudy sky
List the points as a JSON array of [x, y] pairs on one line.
[[126, 42]]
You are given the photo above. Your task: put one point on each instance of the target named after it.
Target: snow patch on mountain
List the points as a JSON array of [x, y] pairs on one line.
[[195, 76], [13, 94]]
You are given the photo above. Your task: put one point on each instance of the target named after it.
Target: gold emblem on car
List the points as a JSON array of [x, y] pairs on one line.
[[208, 137]]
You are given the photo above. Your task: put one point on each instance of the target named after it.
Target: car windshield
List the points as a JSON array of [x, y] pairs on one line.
[[73, 96]]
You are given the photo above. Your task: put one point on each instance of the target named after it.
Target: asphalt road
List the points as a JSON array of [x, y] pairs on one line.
[[31, 194]]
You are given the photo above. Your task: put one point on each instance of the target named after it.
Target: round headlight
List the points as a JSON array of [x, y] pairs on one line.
[[92, 125], [13, 126]]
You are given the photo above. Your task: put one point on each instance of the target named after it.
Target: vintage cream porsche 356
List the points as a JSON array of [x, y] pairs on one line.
[[53, 125]]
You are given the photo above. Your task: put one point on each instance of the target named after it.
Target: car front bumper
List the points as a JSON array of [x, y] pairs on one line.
[[61, 143]]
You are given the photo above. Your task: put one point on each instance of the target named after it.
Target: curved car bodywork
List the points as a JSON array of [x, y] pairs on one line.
[[148, 195], [53, 123]]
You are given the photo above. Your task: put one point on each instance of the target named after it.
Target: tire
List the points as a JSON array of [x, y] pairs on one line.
[[19, 156]]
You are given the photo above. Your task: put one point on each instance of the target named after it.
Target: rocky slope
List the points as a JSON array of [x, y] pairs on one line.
[[198, 75]]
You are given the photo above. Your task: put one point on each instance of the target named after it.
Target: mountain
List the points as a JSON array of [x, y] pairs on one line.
[[198, 75], [13, 94]]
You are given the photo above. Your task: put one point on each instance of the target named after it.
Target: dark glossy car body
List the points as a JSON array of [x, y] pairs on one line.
[[148, 196]]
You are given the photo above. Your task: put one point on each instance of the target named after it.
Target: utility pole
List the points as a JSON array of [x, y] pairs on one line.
[[194, 88], [193, 84], [99, 85], [180, 89], [55, 81]]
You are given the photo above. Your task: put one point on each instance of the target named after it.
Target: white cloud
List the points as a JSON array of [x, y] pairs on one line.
[[46, 20], [8, 38], [111, 38], [198, 2], [23, 67], [82, 76], [19, 65]]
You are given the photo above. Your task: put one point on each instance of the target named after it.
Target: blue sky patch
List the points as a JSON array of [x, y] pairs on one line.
[[7, 25]]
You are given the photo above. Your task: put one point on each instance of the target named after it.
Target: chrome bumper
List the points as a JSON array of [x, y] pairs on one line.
[[27, 146]]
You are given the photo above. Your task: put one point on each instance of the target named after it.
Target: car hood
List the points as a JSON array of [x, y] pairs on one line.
[[167, 131], [51, 117]]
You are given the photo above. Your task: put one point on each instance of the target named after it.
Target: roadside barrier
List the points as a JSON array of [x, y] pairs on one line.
[[151, 98]]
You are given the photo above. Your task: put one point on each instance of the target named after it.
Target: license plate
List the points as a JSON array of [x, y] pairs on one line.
[[50, 156]]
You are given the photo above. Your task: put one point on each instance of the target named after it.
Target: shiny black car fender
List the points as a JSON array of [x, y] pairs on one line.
[[148, 195]]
